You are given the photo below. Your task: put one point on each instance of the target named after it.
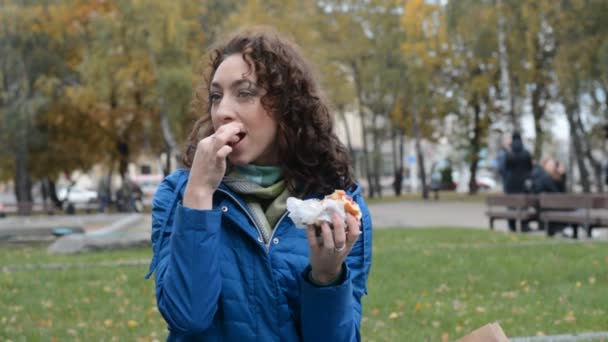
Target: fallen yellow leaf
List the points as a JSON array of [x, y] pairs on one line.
[[132, 324], [151, 311], [517, 310], [509, 295], [393, 315], [570, 318]]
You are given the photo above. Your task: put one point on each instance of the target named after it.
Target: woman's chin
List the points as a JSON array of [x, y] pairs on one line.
[[237, 160]]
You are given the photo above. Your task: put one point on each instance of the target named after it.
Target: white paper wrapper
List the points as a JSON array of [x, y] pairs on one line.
[[313, 211]]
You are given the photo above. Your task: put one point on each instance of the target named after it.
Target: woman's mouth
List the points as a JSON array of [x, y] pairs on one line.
[[241, 136]]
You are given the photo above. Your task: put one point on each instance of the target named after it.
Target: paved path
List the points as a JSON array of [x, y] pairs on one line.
[[410, 214], [428, 214], [39, 228], [419, 214]]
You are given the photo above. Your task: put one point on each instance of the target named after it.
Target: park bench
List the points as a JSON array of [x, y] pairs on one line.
[[578, 210], [518, 207]]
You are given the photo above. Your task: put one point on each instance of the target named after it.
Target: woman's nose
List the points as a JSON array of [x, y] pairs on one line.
[[225, 111]]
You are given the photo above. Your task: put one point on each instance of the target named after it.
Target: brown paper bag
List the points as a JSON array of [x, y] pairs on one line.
[[488, 333]]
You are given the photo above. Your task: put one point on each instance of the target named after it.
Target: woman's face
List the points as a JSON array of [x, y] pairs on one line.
[[235, 100]]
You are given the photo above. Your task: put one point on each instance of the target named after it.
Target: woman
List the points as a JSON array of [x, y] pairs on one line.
[[229, 263]]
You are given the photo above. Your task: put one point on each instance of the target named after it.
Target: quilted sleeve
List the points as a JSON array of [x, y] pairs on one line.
[[185, 244], [333, 313]]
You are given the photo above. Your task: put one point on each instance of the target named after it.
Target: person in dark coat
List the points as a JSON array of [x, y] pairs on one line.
[[549, 178], [544, 178], [501, 160], [518, 165]]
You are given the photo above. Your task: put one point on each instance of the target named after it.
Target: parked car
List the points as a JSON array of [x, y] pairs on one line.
[[77, 195]]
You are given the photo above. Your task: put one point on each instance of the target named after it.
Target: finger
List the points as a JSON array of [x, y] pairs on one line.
[[228, 133], [328, 238], [224, 152], [312, 237], [339, 232], [318, 234], [223, 138], [354, 229]]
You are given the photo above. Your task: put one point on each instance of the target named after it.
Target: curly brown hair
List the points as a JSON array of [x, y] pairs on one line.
[[311, 156]]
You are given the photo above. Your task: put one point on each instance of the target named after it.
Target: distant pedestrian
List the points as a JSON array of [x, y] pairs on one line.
[[518, 165], [103, 193], [549, 177], [501, 159]]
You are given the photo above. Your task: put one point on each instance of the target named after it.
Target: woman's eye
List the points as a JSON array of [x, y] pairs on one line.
[[245, 94], [214, 97]]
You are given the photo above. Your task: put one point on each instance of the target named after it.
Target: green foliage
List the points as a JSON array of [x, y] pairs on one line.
[[119, 67]]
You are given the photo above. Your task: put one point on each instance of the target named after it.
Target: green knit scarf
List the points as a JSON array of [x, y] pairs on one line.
[[264, 191]]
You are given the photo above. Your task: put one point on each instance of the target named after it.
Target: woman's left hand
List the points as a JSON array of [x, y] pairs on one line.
[[329, 250]]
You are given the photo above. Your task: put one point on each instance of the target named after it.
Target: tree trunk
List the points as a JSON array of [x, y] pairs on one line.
[[538, 111], [505, 79], [368, 175], [349, 143], [570, 172], [587, 148], [419, 154], [398, 171], [167, 168], [172, 147], [377, 155], [23, 182], [578, 150], [53, 194], [401, 149], [123, 161], [475, 147]]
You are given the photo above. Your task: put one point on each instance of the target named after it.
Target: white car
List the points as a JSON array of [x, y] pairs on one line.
[[77, 195]]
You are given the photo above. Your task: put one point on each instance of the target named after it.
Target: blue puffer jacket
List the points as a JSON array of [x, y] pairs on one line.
[[217, 281]]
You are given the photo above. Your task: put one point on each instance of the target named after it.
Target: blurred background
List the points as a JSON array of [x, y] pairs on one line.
[[94, 112], [94, 95]]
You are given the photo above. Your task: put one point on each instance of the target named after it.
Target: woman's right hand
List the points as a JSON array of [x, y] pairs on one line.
[[209, 165]]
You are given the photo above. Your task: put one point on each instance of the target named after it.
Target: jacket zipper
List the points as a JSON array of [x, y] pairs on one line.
[[254, 221], [274, 229]]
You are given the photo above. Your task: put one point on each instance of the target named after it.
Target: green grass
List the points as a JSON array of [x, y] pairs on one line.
[[425, 285]]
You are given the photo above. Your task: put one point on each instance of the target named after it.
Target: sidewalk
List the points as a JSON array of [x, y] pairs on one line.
[[408, 214], [420, 214], [429, 214], [40, 228]]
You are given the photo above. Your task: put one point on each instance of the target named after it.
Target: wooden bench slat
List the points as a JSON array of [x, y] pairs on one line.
[[510, 215]]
